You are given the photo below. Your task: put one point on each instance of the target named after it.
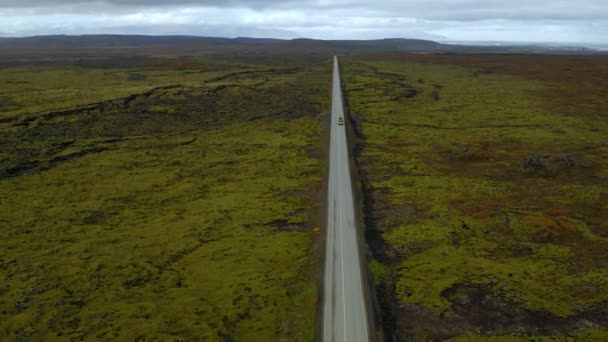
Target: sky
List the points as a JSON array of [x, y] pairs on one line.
[[582, 21]]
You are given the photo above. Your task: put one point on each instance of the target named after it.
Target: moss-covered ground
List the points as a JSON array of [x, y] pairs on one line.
[[161, 202], [486, 191], [46, 87]]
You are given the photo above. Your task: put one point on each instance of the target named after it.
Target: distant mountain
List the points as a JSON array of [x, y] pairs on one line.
[[130, 41], [397, 44], [64, 43], [105, 41]]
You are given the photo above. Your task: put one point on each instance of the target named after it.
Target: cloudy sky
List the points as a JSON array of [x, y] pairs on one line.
[[460, 20]]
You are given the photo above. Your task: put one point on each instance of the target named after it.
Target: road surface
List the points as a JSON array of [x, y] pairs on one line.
[[344, 312]]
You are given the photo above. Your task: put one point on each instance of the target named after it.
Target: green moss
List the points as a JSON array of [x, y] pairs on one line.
[[581, 335], [506, 338], [378, 272], [139, 222], [443, 151], [38, 89], [592, 335]]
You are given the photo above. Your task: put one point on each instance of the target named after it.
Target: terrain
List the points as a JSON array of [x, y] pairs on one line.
[[159, 197], [90, 46], [172, 188], [485, 184]]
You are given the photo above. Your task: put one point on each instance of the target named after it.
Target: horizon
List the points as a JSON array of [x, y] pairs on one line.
[[441, 41]]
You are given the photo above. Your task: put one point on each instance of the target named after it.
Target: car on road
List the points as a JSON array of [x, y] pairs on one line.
[[340, 121]]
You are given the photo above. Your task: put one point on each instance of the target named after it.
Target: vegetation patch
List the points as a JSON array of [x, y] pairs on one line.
[[180, 212], [489, 196]]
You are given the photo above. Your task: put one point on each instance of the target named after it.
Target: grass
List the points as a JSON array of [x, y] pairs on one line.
[[183, 213], [481, 185]]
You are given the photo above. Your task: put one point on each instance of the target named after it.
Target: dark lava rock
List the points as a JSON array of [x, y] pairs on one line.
[[470, 153], [435, 96], [19, 168], [546, 164], [490, 313], [410, 93], [284, 226], [477, 309]]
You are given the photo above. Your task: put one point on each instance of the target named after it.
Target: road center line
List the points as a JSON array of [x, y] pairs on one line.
[[354, 316]]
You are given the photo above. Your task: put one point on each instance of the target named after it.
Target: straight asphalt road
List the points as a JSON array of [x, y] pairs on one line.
[[344, 312]]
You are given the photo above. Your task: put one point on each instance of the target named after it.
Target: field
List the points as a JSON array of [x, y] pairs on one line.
[[178, 196], [160, 198], [485, 181]]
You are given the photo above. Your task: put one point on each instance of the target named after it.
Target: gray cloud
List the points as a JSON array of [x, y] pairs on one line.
[[429, 9], [515, 20]]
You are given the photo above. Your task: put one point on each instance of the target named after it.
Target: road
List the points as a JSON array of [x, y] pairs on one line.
[[344, 312]]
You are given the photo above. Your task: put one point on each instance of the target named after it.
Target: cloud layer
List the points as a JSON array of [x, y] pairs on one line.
[[489, 20]]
